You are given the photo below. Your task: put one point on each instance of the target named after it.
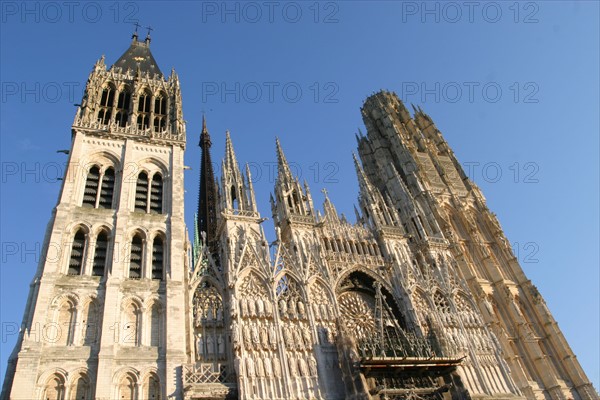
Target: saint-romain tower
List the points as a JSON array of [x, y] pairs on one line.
[[105, 317]]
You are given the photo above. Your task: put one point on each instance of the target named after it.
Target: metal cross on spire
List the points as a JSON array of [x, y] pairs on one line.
[[150, 29]]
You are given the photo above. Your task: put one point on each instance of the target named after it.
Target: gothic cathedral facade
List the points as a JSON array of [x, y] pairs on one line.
[[420, 298]]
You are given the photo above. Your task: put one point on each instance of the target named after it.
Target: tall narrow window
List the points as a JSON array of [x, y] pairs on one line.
[[152, 388], [90, 191], [160, 113], [127, 388], [123, 107], [144, 110], [100, 254], [141, 192], [77, 253], [157, 258], [106, 103], [131, 325], [66, 317], [81, 389], [156, 194], [154, 325], [136, 257], [99, 188], [90, 323], [108, 187], [55, 388]]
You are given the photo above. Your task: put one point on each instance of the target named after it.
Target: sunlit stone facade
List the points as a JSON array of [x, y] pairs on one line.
[[420, 298]]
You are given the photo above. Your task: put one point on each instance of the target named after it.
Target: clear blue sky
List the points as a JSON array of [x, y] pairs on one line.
[[514, 89]]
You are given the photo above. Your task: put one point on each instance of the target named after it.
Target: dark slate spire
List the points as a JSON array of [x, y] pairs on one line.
[[207, 200], [138, 55]]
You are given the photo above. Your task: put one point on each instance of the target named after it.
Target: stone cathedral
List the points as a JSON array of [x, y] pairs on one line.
[[420, 298]]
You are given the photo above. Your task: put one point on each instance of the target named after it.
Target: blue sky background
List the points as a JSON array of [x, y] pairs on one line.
[[540, 133]]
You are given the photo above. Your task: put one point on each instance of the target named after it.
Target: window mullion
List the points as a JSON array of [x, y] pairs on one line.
[[99, 191]]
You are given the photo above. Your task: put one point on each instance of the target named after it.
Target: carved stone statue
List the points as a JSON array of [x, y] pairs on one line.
[[210, 344], [276, 367], [260, 308], [247, 337], [235, 335], [255, 336], [251, 308], [260, 371], [250, 367], [303, 366], [272, 336], [220, 344], [292, 310], [316, 312], [234, 306], [287, 338], [268, 309], [283, 308], [306, 335], [264, 337], [293, 366], [324, 315], [312, 366], [301, 310], [244, 308], [298, 339], [268, 367]]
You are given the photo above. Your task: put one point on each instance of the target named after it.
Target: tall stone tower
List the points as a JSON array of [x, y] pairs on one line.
[[459, 273], [106, 310]]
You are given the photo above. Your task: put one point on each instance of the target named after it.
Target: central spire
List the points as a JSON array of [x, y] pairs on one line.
[[207, 198]]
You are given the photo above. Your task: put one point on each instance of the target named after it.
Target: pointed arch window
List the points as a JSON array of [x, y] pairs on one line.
[[135, 257], [154, 325], [99, 188], [90, 191], [149, 194], [156, 189], [65, 322], [131, 325], [144, 109], [106, 104], [152, 389], [160, 113], [141, 192], [81, 389], [90, 323], [77, 253], [55, 388], [441, 303], [100, 254], [123, 106], [107, 189], [157, 258], [127, 388]]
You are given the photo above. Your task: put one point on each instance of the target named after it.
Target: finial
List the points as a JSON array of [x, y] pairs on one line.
[[150, 29], [135, 32], [204, 129], [325, 192]]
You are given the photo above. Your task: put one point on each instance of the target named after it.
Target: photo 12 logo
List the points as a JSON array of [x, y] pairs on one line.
[[254, 12], [270, 92], [53, 12], [470, 91], [453, 12]]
